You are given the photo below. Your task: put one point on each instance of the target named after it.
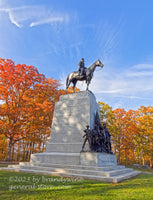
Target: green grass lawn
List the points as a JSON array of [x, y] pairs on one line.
[[16, 185], [3, 165]]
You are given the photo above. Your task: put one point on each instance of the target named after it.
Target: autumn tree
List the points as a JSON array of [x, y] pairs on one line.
[[118, 136], [27, 102], [129, 132], [3, 146], [105, 112], [144, 138]]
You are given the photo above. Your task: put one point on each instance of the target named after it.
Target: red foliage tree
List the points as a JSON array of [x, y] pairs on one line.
[[27, 102]]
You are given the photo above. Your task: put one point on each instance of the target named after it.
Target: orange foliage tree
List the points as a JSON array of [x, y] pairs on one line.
[[27, 103], [144, 139], [3, 146], [129, 131], [118, 136]]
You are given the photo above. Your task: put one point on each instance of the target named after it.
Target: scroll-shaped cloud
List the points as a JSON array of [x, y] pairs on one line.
[[34, 16]]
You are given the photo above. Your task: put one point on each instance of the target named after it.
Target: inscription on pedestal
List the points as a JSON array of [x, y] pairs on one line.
[[97, 159], [106, 159]]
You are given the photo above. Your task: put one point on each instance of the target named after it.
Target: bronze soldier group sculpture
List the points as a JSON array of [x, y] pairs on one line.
[[99, 138]]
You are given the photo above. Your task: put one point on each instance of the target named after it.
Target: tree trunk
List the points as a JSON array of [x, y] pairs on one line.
[[125, 155], [139, 156], [8, 158], [12, 154], [150, 163], [143, 159], [118, 157]]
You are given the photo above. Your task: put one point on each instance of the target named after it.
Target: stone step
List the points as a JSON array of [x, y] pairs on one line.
[[126, 176], [106, 168], [76, 171], [114, 179]]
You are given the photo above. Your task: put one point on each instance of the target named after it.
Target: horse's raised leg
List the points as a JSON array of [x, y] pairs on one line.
[[74, 84], [87, 85], [67, 86], [68, 82], [66, 89]]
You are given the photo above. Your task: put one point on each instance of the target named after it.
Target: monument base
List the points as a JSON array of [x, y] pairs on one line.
[[62, 157]]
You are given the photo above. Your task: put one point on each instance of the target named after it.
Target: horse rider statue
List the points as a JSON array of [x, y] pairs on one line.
[[83, 74]]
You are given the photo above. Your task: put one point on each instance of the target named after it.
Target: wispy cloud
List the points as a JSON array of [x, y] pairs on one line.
[[34, 15], [13, 19], [134, 82], [49, 20], [11, 16], [135, 97], [140, 70], [143, 66], [108, 37], [111, 91], [138, 74]]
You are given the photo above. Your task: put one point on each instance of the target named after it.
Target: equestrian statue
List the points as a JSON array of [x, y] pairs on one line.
[[83, 74]]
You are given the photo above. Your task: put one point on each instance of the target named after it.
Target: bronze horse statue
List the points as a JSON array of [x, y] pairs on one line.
[[75, 76]]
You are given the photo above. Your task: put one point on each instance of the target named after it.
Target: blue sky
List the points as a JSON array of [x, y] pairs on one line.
[[53, 35]]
